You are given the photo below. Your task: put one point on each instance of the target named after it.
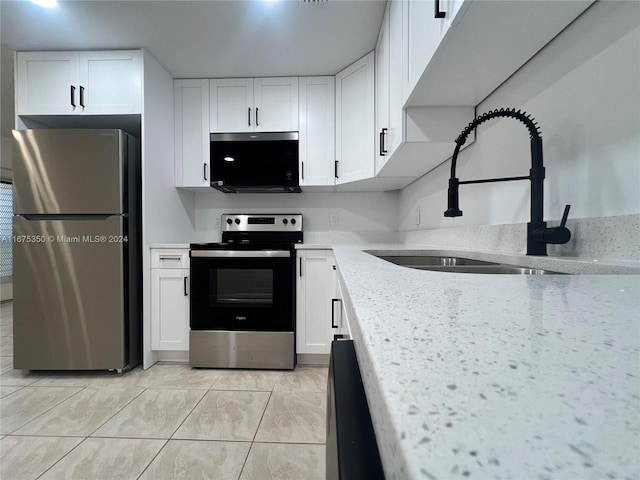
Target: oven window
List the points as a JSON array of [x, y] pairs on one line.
[[242, 294], [242, 286]]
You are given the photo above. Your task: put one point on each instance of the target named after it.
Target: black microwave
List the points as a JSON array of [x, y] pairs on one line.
[[257, 162]]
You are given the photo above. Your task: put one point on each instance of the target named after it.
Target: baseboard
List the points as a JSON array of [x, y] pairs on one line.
[[6, 291], [321, 359], [177, 356]]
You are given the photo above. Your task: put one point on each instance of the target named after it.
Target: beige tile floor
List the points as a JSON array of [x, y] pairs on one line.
[[167, 422]]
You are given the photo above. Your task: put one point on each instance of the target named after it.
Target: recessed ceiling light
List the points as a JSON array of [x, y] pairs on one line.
[[229, 159], [46, 3]]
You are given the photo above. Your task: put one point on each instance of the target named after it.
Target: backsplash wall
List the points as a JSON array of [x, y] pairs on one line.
[[362, 217], [611, 238], [591, 132]]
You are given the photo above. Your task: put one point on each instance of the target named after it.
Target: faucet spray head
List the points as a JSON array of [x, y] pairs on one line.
[[452, 195]]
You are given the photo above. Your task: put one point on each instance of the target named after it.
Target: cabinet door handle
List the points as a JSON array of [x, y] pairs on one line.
[[204, 171], [336, 169], [437, 12], [301, 266], [249, 116], [73, 96], [257, 124], [383, 150], [333, 312], [186, 281], [302, 170], [165, 259], [81, 96]]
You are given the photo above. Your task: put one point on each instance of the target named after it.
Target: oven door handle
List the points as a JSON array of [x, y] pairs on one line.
[[241, 253]]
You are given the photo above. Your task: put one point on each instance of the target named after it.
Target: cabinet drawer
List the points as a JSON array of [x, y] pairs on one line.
[[169, 258]]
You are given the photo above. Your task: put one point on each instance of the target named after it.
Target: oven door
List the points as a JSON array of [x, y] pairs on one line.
[[242, 290]]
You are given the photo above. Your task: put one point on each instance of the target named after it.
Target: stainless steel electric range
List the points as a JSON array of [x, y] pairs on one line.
[[242, 310]]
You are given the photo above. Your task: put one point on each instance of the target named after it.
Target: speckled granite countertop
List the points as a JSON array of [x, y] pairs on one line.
[[500, 376], [170, 245]]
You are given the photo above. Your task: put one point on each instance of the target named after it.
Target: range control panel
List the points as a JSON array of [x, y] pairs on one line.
[[234, 222]]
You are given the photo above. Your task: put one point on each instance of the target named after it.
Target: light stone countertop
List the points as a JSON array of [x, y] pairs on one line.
[[182, 246], [313, 246], [497, 376]]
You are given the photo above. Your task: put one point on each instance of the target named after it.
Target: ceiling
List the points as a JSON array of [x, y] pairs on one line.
[[205, 39]]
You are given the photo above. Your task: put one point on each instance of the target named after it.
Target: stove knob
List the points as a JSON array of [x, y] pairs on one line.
[[229, 221], [293, 221], [285, 221], [237, 221]]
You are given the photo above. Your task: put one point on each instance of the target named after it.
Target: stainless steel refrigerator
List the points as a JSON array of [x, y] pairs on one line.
[[77, 250]]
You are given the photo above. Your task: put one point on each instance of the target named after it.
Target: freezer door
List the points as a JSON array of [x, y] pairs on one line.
[[68, 171], [69, 306]]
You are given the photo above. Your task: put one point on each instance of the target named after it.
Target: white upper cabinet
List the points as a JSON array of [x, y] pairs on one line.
[[317, 131], [422, 35], [47, 83], [253, 105], [355, 121], [454, 8], [276, 103], [382, 91], [409, 142], [450, 59], [191, 128], [111, 82], [389, 111], [489, 42], [425, 24], [73, 83], [231, 105]]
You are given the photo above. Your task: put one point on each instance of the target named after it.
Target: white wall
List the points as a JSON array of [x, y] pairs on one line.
[[7, 120], [361, 216], [584, 90], [7, 109], [168, 212]]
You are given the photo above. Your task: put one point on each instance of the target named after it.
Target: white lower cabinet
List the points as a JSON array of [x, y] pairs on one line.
[[340, 315], [315, 316], [170, 299]]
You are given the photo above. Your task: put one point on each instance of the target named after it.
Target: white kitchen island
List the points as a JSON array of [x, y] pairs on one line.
[[497, 376]]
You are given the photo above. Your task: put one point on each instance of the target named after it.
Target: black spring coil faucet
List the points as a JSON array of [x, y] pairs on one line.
[[538, 235]]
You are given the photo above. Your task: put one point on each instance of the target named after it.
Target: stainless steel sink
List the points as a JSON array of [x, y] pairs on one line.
[[428, 261], [491, 269], [462, 265]]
